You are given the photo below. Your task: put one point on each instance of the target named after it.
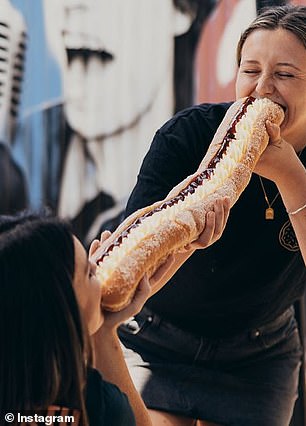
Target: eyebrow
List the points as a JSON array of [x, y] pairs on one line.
[[284, 64], [288, 64]]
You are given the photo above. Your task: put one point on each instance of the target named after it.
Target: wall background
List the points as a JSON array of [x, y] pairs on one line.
[[76, 87]]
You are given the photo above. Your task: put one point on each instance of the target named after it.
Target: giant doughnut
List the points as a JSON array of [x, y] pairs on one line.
[[145, 239]]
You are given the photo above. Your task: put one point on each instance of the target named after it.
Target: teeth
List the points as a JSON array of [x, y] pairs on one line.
[[224, 168]]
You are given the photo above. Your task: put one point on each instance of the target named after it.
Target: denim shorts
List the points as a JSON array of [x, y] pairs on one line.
[[247, 380]]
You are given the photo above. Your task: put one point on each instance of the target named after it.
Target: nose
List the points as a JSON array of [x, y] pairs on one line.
[[265, 85]]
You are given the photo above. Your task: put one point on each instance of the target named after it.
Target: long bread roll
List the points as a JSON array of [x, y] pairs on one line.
[[142, 242]]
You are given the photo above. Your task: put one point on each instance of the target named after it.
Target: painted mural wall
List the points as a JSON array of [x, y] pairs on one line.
[[84, 85]]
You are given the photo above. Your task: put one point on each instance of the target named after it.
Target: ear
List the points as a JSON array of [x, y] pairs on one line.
[[182, 22]]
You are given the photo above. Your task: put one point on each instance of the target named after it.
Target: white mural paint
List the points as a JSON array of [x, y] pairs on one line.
[[116, 60]]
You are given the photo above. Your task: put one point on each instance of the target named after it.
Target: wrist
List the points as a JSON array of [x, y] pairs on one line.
[[291, 178], [296, 211], [283, 166], [106, 331]]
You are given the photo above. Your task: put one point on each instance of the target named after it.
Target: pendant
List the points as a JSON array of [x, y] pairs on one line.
[[269, 213]]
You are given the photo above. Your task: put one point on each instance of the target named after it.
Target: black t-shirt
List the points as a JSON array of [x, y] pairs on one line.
[[253, 272], [105, 403]]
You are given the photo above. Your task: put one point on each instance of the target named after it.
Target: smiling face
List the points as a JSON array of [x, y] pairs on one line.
[[87, 289], [273, 65], [117, 56]]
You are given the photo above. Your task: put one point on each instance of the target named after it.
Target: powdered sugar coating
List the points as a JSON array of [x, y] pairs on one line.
[[168, 230]]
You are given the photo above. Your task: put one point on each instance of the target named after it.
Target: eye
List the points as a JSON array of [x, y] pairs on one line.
[[283, 74], [250, 72]]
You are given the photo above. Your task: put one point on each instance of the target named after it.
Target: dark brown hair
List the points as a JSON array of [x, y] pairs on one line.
[[289, 17], [43, 350]]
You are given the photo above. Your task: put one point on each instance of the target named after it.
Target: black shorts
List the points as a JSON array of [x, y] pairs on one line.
[[248, 380]]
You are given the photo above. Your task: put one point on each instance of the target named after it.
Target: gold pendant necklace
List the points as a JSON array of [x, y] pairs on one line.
[[269, 212]]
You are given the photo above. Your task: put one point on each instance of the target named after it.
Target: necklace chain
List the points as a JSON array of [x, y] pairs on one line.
[[269, 213], [265, 194]]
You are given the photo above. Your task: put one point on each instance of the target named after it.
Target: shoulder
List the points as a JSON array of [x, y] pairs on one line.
[[105, 403], [187, 135], [201, 115], [176, 151]]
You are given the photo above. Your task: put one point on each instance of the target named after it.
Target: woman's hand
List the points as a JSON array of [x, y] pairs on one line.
[[112, 320], [279, 158], [215, 224], [96, 243]]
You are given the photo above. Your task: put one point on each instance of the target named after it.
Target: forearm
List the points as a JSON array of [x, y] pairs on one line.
[[281, 163], [293, 192], [109, 360], [215, 223], [161, 277]]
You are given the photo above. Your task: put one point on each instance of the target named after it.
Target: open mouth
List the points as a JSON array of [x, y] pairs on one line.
[[282, 107], [285, 112], [283, 123], [85, 54]]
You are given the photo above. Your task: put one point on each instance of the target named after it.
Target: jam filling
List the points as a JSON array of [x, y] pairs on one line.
[[192, 186]]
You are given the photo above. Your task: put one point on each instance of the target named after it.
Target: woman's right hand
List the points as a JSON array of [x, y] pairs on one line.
[[279, 159]]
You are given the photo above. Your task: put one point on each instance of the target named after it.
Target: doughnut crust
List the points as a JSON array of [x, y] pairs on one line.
[[144, 240]]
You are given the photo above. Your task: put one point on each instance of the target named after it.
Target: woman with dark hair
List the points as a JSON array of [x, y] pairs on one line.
[[220, 342], [49, 305], [50, 308]]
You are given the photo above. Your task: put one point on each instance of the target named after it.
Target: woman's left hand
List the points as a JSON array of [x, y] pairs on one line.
[[96, 243], [114, 319], [215, 224]]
